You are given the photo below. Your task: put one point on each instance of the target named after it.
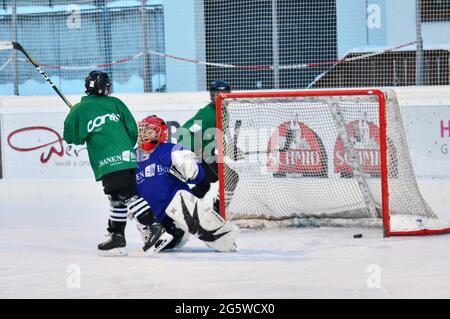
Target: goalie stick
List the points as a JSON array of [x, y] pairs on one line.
[[287, 144], [237, 128], [367, 196], [19, 47]]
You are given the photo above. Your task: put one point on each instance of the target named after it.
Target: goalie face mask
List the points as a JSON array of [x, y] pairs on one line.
[[151, 132]]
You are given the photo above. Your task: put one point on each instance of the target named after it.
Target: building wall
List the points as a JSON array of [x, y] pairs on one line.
[[401, 22], [181, 39], [368, 25]]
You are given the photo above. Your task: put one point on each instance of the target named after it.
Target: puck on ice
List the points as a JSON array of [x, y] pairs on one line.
[[357, 236]]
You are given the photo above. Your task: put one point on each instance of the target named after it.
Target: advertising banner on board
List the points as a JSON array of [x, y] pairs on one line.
[[428, 135], [33, 146]]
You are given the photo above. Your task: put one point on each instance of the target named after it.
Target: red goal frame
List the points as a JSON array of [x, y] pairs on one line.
[[318, 93]]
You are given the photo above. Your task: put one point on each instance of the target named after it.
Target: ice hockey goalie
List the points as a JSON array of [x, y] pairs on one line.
[[164, 172]]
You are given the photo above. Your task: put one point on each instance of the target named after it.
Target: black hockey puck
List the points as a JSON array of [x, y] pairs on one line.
[[357, 236]]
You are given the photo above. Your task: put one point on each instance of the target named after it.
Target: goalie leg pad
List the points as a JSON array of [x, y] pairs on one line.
[[197, 218]]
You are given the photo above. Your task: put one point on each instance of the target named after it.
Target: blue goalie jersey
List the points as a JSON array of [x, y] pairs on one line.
[[154, 181]]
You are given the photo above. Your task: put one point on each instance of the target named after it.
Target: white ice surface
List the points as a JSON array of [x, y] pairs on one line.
[[46, 227]]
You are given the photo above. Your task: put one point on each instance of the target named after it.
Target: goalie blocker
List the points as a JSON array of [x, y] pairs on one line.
[[197, 218]]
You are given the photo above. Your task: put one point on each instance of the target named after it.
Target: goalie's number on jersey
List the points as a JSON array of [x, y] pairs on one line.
[[247, 308]]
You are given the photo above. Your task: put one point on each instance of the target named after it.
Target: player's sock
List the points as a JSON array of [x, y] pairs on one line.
[[140, 209], [117, 217]]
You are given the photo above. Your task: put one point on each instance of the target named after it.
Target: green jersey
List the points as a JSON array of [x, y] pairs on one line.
[[202, 132], [109, 130]]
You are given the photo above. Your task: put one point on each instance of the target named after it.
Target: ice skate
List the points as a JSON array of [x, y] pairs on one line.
[[114, 245], [155, 238]]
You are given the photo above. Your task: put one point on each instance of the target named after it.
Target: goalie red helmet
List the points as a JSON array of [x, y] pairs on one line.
[[152, 131]]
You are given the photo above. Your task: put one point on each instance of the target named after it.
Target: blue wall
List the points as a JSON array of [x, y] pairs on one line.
[[180, 36], [359, 28], [361, 25]]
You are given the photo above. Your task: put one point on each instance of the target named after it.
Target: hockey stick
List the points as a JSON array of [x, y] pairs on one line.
[[259, 152], [19, 47], [237, 128], [286, 146], [367, 196]]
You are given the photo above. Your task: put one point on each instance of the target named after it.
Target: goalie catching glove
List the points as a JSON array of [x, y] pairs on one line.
[[184, 166]]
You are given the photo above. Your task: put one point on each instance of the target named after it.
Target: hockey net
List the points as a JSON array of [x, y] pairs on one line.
[[330, 158]]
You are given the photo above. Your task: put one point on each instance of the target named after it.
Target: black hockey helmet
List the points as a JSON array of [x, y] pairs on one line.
[[98, 83], [218, 86]]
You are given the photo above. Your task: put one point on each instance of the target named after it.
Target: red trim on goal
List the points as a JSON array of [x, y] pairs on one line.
[[318, 93], [384, 165], [421, 232], [300, 93], [220, 159], [221, 97]]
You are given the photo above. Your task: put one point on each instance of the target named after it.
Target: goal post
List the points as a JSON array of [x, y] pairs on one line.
[[325, 157]]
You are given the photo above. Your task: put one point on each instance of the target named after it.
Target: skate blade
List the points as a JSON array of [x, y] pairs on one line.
[[162, 242], [116, 252]]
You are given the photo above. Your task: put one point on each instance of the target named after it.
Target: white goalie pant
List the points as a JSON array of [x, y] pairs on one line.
[[197, 218]]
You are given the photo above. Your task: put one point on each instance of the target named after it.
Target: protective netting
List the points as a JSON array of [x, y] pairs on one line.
[[292, 44], [164, 45], [71, 38], [307, 159]]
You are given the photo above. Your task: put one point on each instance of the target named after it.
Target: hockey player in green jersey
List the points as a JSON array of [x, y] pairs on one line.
[[109, 130], [202, 141]]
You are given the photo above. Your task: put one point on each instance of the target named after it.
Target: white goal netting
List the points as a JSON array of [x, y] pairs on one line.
[[321, 157]]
